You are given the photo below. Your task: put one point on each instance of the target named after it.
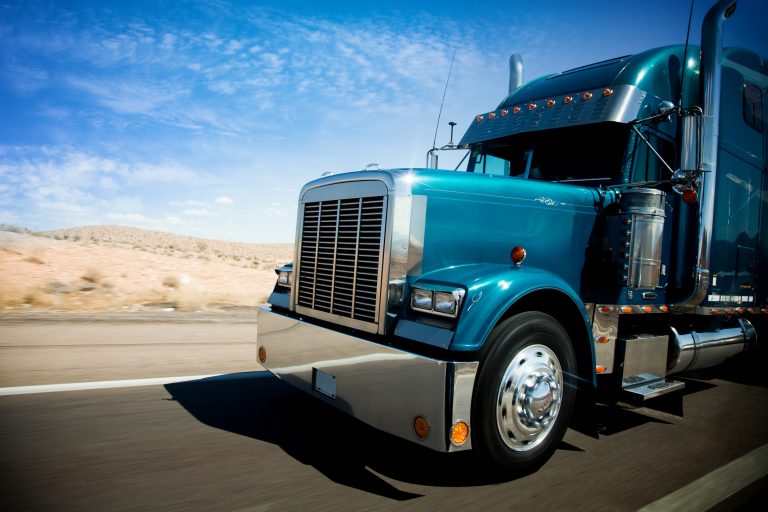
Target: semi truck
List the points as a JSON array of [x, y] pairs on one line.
[[607, 234]]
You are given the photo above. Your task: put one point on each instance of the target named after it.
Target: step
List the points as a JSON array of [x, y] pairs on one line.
[[648, 388]]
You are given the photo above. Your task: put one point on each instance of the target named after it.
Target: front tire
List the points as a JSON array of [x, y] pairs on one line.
[[525, 392]]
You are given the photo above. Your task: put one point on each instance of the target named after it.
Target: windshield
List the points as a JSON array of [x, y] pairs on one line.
[[582, 153]]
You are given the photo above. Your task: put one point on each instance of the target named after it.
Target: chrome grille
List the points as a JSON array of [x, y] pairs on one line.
[[339, 263]]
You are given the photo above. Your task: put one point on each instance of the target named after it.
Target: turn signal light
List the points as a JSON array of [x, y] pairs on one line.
[[421, 426], [517, 255], [459, 433], [664, 309]]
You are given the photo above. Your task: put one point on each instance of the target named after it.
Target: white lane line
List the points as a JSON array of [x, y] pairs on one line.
[[717, 486], [105, 384]]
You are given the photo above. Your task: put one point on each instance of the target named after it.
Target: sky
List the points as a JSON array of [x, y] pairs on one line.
[[206, 118]]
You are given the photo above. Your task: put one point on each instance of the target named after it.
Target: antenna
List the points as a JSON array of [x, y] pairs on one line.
[[437, 125], [685, 58]]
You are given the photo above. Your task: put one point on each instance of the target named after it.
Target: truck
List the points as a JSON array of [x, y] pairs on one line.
[[608, 233]]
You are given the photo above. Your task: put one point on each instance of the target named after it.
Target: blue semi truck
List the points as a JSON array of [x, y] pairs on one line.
[[609, 232]]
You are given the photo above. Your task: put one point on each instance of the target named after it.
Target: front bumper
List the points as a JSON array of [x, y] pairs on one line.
[[384, 387]]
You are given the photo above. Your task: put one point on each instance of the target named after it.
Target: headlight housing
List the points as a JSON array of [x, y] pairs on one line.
[[285, 278], [440, 302]]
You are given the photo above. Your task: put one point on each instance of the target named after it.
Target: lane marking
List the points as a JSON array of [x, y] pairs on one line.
[[717, 486], [105, 384]]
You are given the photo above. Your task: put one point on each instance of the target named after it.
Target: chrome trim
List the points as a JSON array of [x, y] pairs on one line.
[[382, 386], [605, 325], [646, 206], [711, 78]]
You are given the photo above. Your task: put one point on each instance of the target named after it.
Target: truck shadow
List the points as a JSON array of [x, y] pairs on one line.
[[345, 450]]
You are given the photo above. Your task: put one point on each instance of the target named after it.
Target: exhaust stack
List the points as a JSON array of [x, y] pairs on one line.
[[515, 71], [711, 78]]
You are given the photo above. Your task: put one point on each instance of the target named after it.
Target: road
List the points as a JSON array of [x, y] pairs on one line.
[[246, 441]]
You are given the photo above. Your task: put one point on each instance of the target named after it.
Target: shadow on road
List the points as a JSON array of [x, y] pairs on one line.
[[345, 450]]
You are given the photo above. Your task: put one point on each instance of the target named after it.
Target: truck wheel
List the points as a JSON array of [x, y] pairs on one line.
[[525, 391]]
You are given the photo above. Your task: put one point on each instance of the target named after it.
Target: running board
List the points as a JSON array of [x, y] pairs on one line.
[[644, 387]]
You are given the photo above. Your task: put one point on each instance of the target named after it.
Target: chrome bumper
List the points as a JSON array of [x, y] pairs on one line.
[[384, 387]]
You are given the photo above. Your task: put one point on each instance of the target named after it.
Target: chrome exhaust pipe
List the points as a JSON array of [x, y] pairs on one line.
[[696, 350]]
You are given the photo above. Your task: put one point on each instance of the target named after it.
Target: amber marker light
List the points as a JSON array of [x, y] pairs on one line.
[[600, 369], [504, 112], [262, 354], [531, 106], [550, 103], [607, 91], [516, 110], [567, 99], [606, 309], [479, 119], [518, 255], [603, 339], [459, 433], [664, 309], [492, 115], [690, 196], [647, 309], [586, 95], [421, 426], [715, 311], [626, 309]]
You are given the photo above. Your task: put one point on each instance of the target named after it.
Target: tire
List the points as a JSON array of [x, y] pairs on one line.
[[524, 393]]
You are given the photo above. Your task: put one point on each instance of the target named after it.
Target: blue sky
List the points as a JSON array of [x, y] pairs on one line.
[[205, 118]]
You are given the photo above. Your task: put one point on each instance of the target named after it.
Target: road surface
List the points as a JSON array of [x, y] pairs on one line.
[[243, 440]]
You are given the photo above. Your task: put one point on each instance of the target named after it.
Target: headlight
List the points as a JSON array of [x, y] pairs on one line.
[[437, 302], [422, 299], [285, 278]]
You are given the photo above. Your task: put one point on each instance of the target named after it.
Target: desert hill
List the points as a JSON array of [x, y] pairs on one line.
[[119, 267]]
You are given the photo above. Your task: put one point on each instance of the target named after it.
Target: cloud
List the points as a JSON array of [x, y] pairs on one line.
[[199, 213], [224, 200]]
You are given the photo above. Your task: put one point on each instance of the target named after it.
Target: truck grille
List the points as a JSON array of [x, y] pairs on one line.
[[339, 263]]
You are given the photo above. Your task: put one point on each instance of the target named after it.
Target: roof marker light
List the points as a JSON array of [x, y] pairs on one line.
[[516, 110], [531, 106], [504, 112], [567, 99], [479, 118], [607, 91], [492, 115], [586, 95], [550, 103]]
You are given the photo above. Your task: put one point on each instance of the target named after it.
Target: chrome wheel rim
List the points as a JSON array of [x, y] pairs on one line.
[[529, 397]]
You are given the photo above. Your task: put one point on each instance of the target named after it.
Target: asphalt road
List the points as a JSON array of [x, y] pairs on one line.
[[247, 441]]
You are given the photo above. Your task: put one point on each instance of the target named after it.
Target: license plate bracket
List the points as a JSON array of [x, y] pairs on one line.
[[324, 382]]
